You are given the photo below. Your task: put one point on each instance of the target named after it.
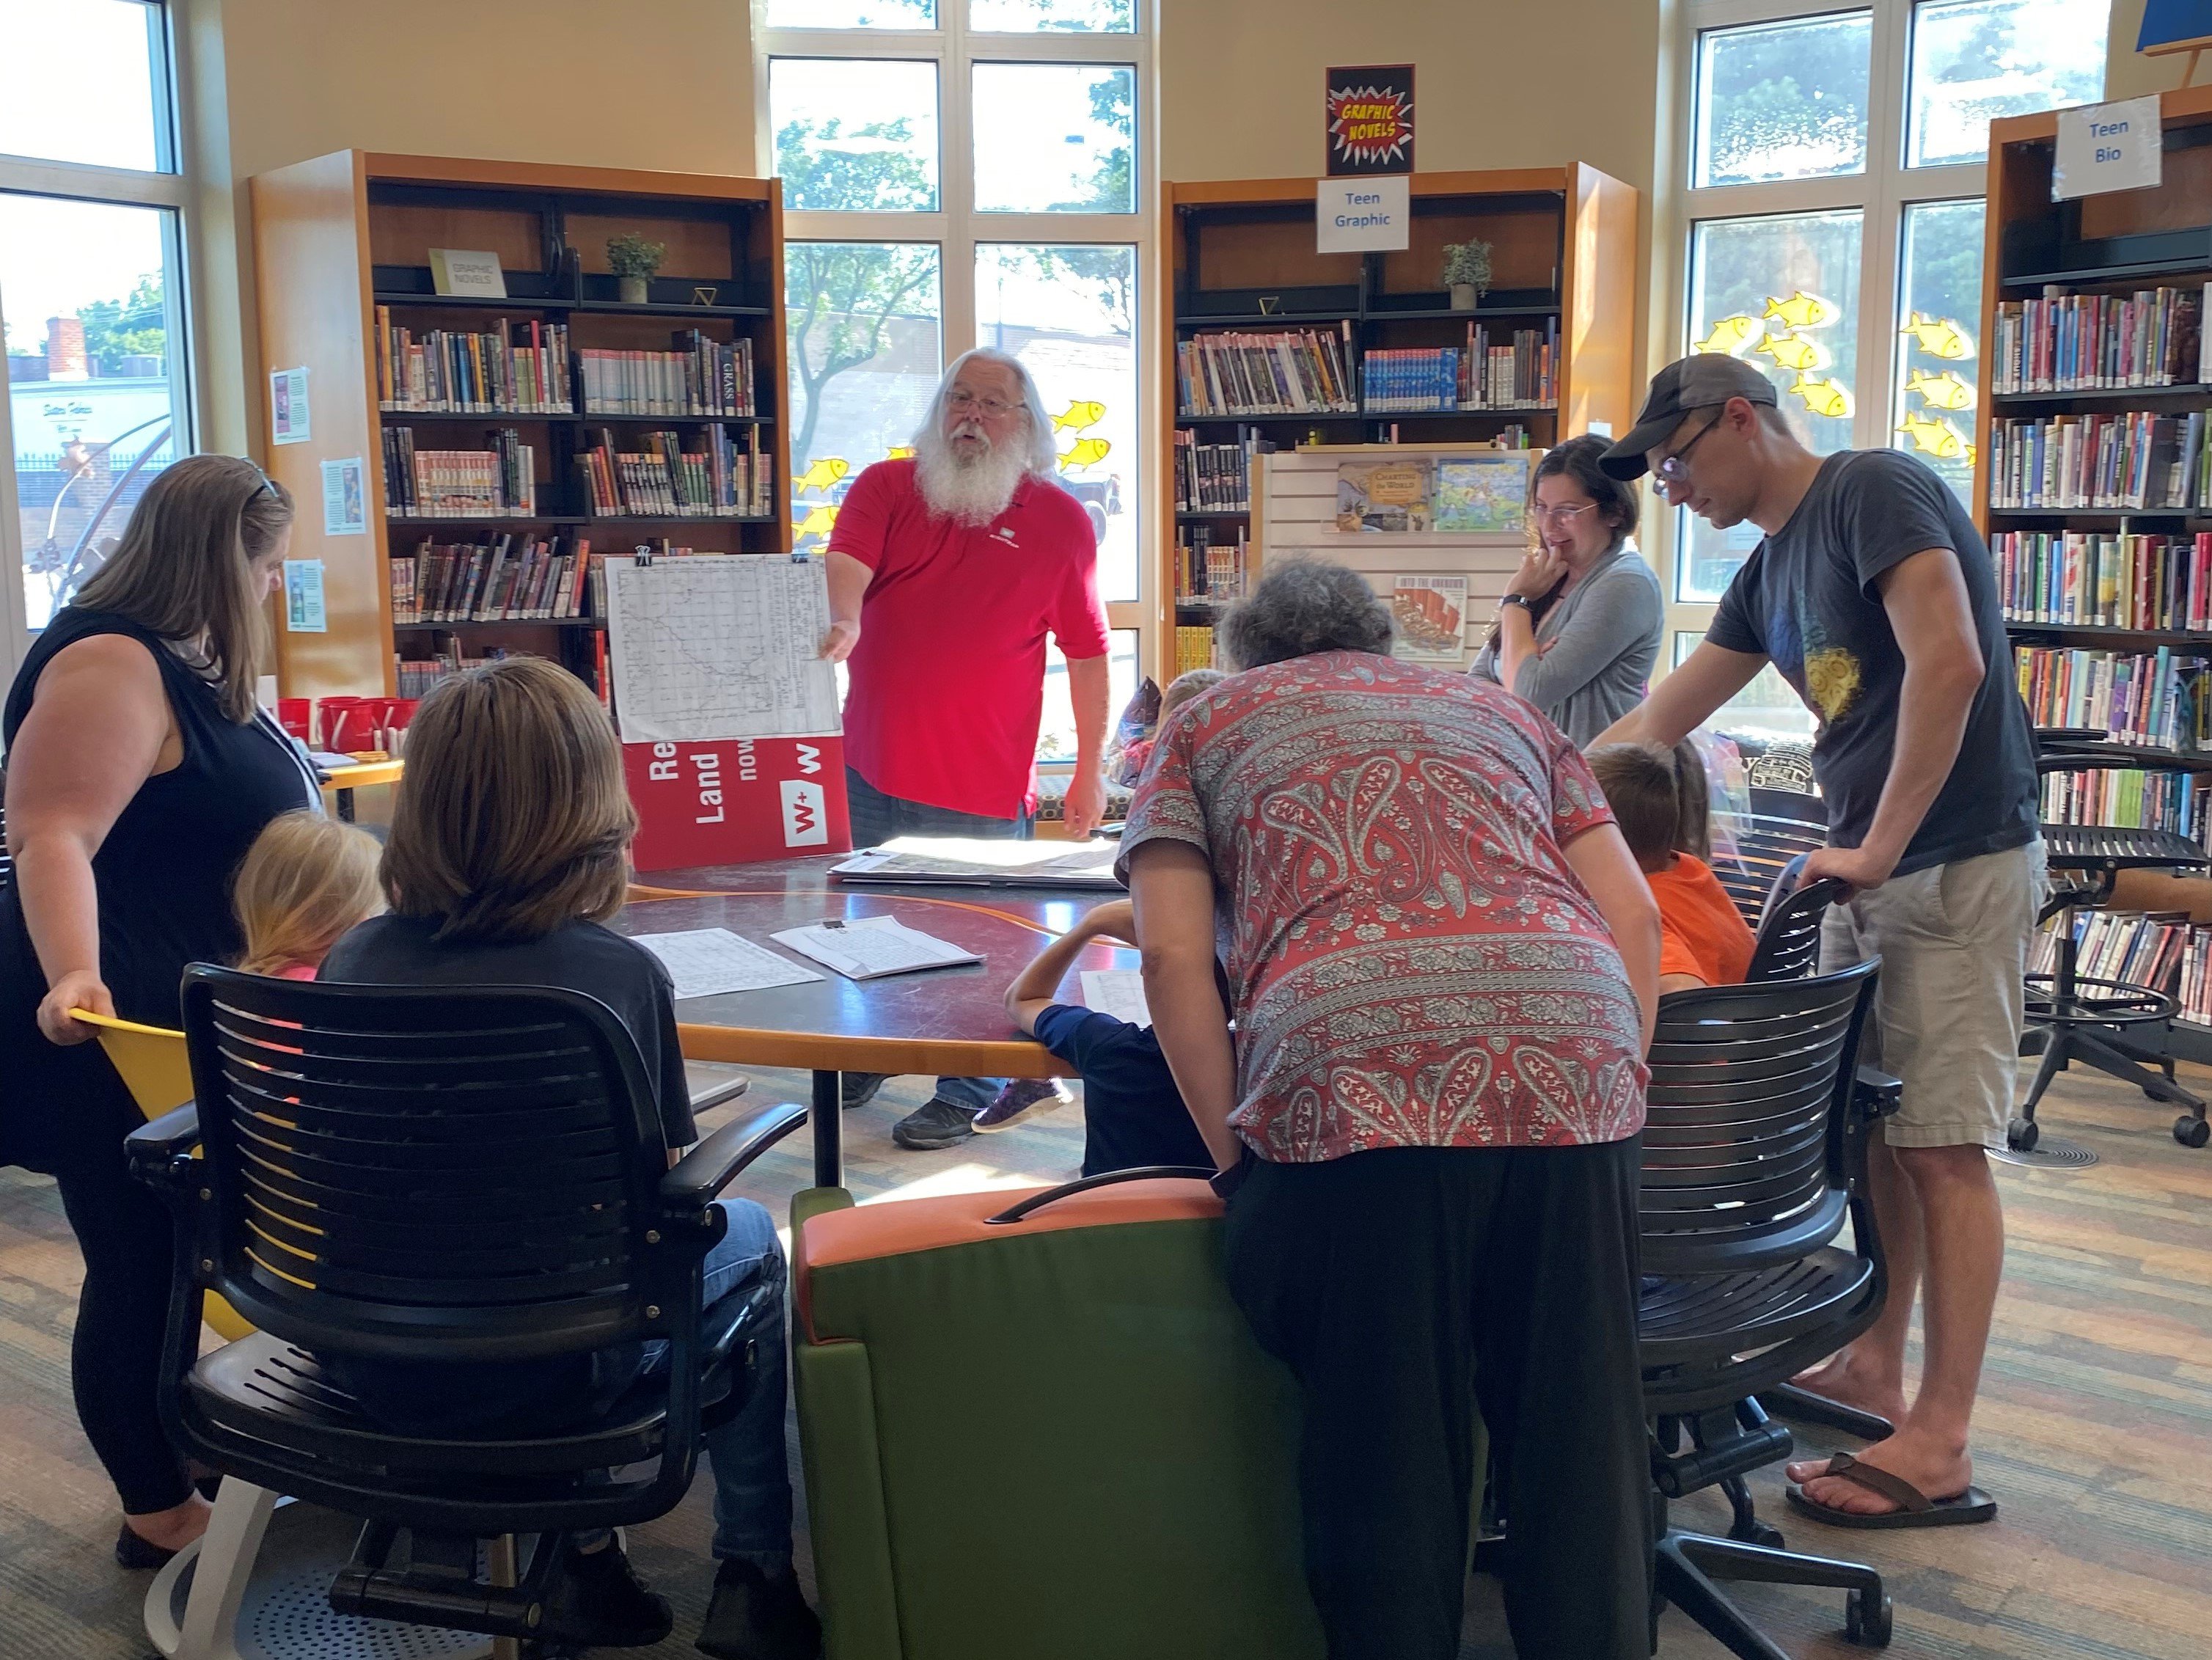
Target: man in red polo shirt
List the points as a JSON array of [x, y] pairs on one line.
[[946, 571]]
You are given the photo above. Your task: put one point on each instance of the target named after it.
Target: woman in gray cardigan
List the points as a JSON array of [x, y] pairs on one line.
[[1578, 627]]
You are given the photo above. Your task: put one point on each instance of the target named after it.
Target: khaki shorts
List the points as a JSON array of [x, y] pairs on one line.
[[1953, 940]]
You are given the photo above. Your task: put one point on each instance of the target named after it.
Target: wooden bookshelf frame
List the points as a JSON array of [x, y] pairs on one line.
[[1573, 223], [316, 232]]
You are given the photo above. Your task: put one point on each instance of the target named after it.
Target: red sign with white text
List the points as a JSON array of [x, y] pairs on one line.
[[736, 801]]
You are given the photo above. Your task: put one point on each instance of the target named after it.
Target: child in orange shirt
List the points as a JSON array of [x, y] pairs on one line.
[[1659, 798], [306, 879]]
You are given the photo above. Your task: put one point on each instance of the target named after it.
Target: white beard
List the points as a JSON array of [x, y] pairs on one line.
[[968, 491]]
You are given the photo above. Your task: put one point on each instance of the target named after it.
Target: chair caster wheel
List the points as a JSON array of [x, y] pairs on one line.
[[1764, 1534], [1866, 1619], [2022, 1133], [2190, 1131]]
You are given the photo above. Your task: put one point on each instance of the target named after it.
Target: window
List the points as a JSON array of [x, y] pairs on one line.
[[1832, 228], [91, 306], [965, 172]]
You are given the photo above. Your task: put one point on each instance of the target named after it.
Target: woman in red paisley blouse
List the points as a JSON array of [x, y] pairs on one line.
[[1443, 963]]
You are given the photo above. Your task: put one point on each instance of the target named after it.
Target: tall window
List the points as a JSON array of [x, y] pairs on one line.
[[1832, 236], [966, 173], [91, 305]]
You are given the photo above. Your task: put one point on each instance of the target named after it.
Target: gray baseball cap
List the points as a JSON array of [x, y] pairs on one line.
[[1698, 381]]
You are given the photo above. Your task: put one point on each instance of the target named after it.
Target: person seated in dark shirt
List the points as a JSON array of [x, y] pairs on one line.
[[1134, 1116], [507, 857]]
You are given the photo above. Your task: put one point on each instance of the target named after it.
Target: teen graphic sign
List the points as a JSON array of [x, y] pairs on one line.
[[1371, 120]]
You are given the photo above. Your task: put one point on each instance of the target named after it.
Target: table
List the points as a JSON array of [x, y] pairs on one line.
[[342, 782], [939, 1022]]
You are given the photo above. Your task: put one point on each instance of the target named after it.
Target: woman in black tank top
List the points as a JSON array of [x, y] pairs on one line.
[[138, 772]]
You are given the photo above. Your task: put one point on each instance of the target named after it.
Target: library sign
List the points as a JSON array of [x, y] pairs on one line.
[[1365, 203]]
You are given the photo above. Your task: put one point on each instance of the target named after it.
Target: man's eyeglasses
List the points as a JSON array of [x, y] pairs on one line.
[[1675, 469], [1565, 515], [964, 403]]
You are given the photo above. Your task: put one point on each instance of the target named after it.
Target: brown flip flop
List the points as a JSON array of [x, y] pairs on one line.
[[1915, 1509]]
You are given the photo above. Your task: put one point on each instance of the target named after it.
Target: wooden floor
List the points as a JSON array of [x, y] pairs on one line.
[[2094, 1432]]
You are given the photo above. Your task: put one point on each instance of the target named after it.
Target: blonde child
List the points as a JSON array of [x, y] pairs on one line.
[[306, 879]]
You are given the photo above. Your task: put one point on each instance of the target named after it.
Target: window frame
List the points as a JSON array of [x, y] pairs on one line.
[[1881, 194], [958, 227], [170, 190]]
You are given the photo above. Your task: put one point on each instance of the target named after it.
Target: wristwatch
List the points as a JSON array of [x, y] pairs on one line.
[[1520, 599]]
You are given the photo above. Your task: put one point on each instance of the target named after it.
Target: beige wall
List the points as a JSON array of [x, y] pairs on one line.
[[2126, 75]]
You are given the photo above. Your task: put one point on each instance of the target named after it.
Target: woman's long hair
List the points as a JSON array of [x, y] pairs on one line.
[[1616, 502], [183, 569]]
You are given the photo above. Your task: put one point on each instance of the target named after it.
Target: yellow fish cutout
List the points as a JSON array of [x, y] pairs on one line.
[[1939, 336], [899, 453], [1085, 452], [1823, 397], [821, 475], [1943, 392], [1079, 416], [820, 520], [1731, 336], [1800, 311], [1794, 351], [1937, 437]]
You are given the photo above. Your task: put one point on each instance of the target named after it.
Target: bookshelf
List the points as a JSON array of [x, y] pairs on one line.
[[2092, 484], [498, 431], [1239, 258]]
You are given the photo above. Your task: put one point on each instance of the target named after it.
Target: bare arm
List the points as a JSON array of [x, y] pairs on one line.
[[1926, 599], [1090, 692], [848, 587], [1172, 887], [1517, 646], [99, 727], [1686, 699], [1607, 869], [1035, 986]]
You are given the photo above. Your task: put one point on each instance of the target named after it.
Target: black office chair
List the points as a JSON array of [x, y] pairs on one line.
[[1782, 825], [2086, 1018], [1754, 1158], [1787, 946], [411, 1174]]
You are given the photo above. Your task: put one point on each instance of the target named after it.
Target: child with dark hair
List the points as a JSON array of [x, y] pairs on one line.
[[1659, 798]]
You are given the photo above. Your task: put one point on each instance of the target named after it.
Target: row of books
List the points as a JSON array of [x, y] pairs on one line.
[[1208, 570], [502, 578], [490, 483], [1412, 381], [1194, 648], [509, 368], [2130, 459], [2129, 800], [1522, 373], [2128, 581], [1290, 372], [700, 376], [2086, 341], [2159, 699], [416, 675], [1213, 478], [2158, 949], [660, 477]]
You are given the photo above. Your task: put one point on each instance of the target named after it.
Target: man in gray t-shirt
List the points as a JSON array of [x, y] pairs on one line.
[[1873, 595]]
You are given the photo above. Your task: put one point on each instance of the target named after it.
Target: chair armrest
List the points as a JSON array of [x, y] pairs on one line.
[[153, 1149], [1876, 1094], [710, 1166]]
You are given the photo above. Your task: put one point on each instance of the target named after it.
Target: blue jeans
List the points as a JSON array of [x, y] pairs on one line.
[[876, 818], [752, 1480]]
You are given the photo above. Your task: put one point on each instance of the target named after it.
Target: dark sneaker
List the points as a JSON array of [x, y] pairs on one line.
[[857, 1089], [599, 1602], [758, 1615], [1020, 1098], [939, 1124]]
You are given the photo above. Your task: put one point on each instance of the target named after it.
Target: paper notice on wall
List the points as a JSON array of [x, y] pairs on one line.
[[344, 511], [719, 647], [304, 611], [288, 420]]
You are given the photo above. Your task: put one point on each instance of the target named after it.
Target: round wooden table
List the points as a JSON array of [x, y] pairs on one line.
[[937, 1022]]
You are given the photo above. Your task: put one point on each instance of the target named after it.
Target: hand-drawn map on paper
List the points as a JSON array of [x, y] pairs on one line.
[[715, 646]]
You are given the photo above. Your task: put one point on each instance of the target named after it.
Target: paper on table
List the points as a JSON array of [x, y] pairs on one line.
[[868, 946], [1117, 991], [709, 962]]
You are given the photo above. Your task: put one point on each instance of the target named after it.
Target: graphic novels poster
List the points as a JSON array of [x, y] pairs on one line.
[[1431, 612], [1371, 120]]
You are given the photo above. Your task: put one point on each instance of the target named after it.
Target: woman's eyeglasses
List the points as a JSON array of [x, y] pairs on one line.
[[1563, 516], [265, 483]]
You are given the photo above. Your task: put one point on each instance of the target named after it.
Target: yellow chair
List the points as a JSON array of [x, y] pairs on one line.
[[159, 1075]]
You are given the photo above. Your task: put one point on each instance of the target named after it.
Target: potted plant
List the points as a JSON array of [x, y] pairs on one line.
[[633, 260], [1466, 272]]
